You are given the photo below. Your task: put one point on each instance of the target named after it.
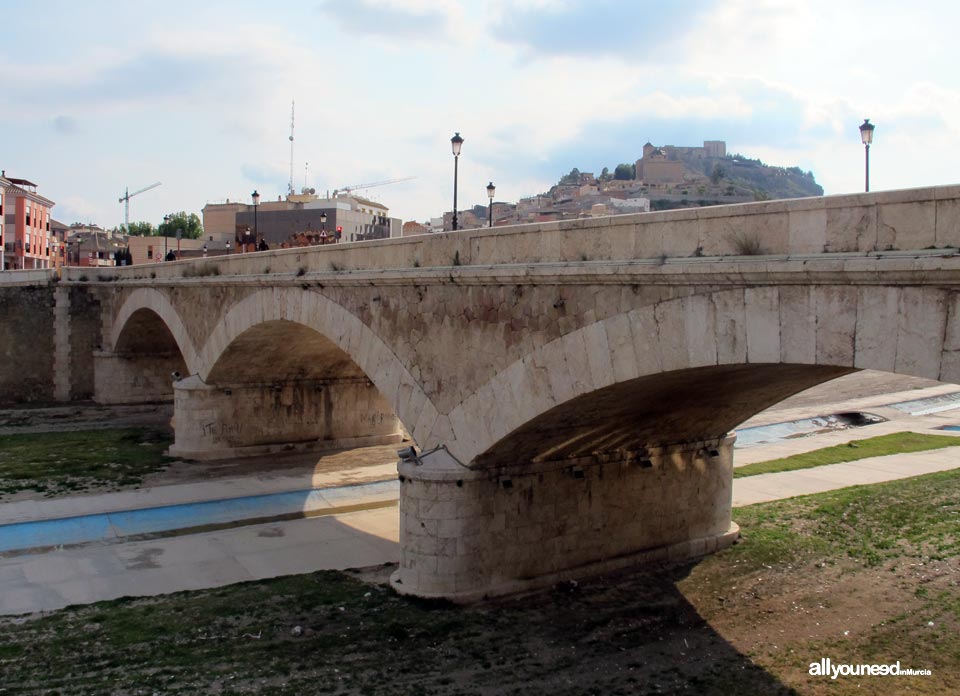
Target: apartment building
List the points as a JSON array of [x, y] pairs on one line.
[[25, 214], [278, 222]]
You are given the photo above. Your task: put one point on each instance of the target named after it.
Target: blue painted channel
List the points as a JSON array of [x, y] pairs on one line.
[[111, 525]]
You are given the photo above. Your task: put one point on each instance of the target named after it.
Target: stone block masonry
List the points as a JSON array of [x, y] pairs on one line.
[[467, 534], [229, 420], [27, 343]]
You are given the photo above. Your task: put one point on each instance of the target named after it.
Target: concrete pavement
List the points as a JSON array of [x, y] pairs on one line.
[[787, 484], [97, 572]]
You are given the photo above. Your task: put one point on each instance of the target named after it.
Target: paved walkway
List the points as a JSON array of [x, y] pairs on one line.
[[787, 484], [48, 581]]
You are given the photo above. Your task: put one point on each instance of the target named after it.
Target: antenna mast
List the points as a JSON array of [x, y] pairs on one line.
[[290, 184]]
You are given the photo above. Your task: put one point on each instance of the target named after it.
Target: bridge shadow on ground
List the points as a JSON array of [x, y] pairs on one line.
[[632, 632], [334, 632]]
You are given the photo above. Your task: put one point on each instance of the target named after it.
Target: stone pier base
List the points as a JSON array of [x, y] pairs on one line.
[[221, 421], [467, 534], [134, 378]]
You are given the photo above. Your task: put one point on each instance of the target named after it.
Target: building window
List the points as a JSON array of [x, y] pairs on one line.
[[149, 252]]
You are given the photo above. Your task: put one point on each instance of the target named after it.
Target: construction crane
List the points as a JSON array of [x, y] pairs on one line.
[[354, 187], [290, 189], [125, 199]]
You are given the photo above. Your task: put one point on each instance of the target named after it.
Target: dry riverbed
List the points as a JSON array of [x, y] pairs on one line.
[[859, 575]]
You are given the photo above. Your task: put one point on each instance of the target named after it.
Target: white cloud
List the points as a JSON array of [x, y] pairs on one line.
[[200, 98]]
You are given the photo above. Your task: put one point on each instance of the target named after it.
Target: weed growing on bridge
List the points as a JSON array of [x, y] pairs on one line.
[[301, 271], [201, 271], [747, 244], [59, 463], [850, 452]]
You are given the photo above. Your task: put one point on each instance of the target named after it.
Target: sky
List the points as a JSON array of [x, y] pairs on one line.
[[102, 96]]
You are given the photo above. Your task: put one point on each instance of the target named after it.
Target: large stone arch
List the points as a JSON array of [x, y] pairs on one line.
[[585, 500], [796, 336], [146, 344]]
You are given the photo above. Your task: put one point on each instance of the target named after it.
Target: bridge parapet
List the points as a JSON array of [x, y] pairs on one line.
[[909, 219]]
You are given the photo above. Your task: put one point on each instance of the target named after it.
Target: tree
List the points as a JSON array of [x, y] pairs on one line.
[[624, 172], [142, 229], [717, 174], [605, 174], [572, 178], [189, 224]]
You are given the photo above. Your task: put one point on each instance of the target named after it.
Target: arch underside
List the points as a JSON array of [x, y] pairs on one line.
[[279, 385], [654, 411], [276, 351], [139, 368], [146, 333]]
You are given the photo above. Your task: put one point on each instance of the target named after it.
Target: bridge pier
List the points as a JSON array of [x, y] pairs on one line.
[[467, 534], [216, 421], [135, 378]]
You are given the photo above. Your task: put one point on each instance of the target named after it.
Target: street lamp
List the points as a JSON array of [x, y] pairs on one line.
[[256, 202], [491, 190], [456, 142], [166, 223], [866, 135], [323, 227]]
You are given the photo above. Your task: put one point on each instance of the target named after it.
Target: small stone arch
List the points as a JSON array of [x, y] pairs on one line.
[[156, 302]]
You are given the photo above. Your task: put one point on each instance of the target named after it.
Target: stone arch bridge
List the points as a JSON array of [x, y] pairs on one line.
[[570, 387]]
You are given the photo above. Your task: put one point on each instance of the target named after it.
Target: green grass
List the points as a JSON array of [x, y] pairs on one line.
[[56, 463], [895, 443], [909, 518]]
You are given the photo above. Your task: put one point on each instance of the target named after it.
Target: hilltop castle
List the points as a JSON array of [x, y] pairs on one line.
[[663, 165]]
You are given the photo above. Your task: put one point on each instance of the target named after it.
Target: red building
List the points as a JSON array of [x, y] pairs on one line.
[[27, 242]]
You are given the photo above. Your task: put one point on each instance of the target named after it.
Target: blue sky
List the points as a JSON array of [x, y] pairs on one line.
[[103, 95]]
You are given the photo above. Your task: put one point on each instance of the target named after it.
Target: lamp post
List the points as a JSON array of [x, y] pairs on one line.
[[166, 223], [456, 142], [323, 227], [866, 135], [256, 203], [491, 190]]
